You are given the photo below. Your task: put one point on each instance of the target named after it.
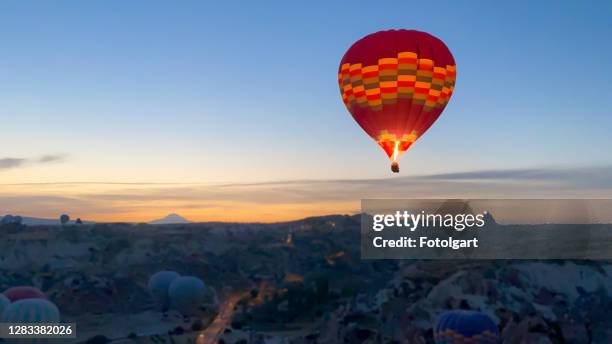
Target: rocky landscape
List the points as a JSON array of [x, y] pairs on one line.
[[294, 282]]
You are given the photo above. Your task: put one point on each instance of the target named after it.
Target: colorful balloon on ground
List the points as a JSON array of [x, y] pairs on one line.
[[395, 84], [23, 292], [4, 302], [186, 294], [31, 311], [461, 326], [158, 287]]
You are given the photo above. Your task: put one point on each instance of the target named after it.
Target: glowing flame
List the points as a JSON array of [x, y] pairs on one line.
[[396, 150]]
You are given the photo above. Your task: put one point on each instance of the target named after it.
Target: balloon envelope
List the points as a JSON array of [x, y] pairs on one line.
[[23, 292], [4, 302], [461, 326], [396, 84], [158, 287], [186, 294], [31, 311]]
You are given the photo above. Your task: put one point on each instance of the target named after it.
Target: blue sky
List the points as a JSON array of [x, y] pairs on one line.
[[151, 91]]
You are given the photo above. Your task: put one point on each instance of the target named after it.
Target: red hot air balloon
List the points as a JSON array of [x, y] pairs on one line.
[[22, 293], [395, 84]]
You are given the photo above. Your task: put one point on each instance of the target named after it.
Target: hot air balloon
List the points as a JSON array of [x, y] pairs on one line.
[[462, 326], [4, 302], [23, 292], [395, 84], [186, 294], [31, 311], [158, 287]]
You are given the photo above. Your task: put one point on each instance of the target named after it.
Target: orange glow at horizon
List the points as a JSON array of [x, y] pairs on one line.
[[266, 202], [231, 212], [139, 203]]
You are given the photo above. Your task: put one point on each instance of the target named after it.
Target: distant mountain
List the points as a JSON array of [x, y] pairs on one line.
[[170, 219]]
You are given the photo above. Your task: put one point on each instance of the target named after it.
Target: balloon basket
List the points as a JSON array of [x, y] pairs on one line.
[[395, 167]]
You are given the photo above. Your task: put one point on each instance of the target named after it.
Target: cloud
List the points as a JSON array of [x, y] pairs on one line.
[[290, 199], [492, 174], [51, 158], [589, 176], [6, 163]]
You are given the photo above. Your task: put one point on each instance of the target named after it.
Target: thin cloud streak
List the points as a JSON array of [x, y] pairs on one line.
[[6, 163], [52, 158], [592, 176], [598, 176], [284, 200]]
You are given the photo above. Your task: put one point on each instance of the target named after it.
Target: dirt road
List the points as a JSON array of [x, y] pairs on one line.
[[214, 331]]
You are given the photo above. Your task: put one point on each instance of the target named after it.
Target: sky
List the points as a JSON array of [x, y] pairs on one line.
[[110, 108]]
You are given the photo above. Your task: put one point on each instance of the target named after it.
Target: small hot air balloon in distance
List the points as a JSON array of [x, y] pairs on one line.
[[463, 326], [186, 294], [23, 292], [158, 287], [64, 219], [395, 84]]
